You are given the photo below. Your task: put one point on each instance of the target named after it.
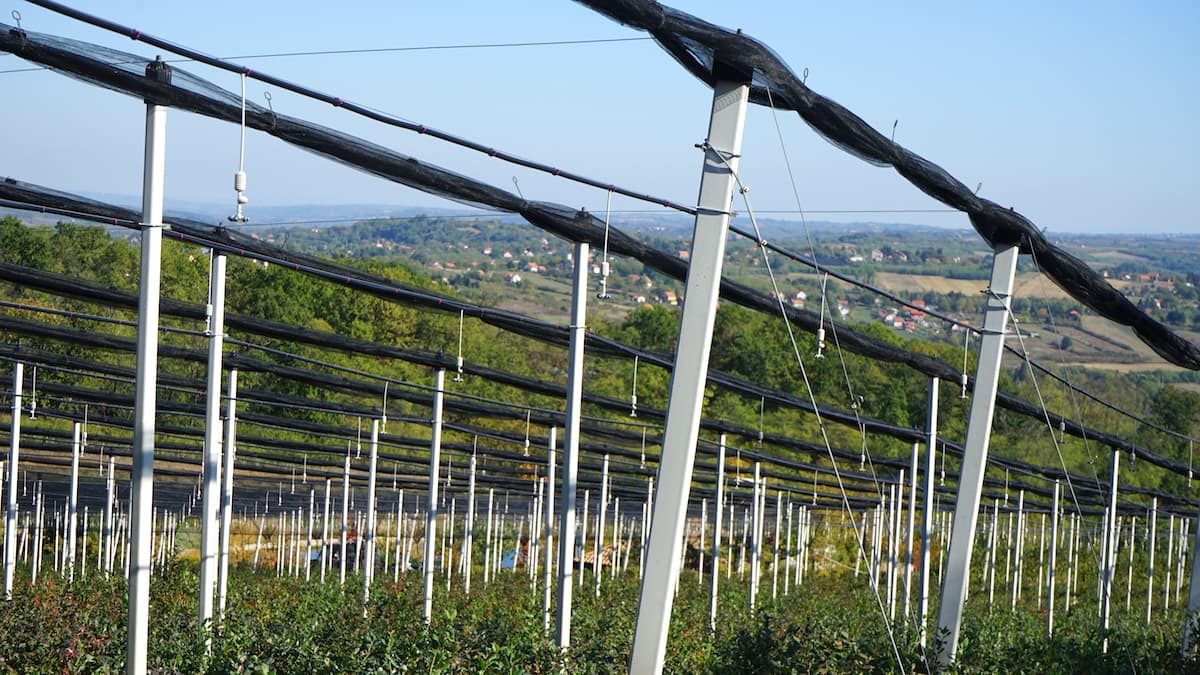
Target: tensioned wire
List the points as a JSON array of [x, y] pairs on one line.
[[1111, 527], [106, 219], [250, 399], [874, 586], [865, 456], [348, 105]]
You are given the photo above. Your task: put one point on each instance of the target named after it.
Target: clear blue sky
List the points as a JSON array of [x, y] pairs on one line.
[[1085, 116]]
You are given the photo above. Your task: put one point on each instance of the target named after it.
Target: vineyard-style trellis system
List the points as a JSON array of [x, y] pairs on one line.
[[151, 453]]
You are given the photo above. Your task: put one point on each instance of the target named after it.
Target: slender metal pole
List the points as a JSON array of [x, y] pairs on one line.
[[345, 518], [931, 421], [600, 522], [1051, 564], [109, 529], [14, 454], [1153, 518], [755, 537], [775, 544], [308, 535], [372, 475], [229, 447], [718, 500], [680, 433], [979, 429], [145, 399], [1018, 545], [911, 526], [1129, 567], [1168, 561], [1193, 602], [431, 512], [1110, 553], [73, 501], [548, 568], [10, 521], [570, 479], [211, 463], [469, 526]]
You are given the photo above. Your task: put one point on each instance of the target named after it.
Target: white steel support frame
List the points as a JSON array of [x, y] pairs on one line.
[[716, 546], [325, 531], [372, 475], [911, 526], [431, 511], [570, 478], [312, 508], [14, 455], [1153, 518], [469, 526], [601, 516], [73, 501], [229, 448], [1193, 602], [548, 568], [756, 516], [145, 401], [211, 462], [345, 518], [1110, 553], [1052, 562], [979, 431], [681, 430]]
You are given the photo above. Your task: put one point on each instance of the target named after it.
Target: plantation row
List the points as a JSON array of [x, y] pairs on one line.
[[781, 567], [284, 624]]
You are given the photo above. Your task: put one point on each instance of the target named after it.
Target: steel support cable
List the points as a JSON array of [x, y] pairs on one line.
[[99, 292], [345, 435], [100, 399], [250, 418], [700, 46], [22, 39], [823, 269], [513, 438], [1098, 556], [541, 215], [862, 552], [244, 441], [1012, 402], [337, 102], [246, 364]]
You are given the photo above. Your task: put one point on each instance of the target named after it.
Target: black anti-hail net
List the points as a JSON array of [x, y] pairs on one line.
[[706, 50], [83, 289], [223, 239], [125, 73]]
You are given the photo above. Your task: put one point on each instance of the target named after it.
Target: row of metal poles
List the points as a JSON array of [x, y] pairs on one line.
[[1005, 533], [68, 541]]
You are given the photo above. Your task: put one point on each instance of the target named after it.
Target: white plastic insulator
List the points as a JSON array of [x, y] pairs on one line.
[[242, 199], [239, 181], [633, 400], [459, 364], [821, 336], [963, 380], [604, 268]]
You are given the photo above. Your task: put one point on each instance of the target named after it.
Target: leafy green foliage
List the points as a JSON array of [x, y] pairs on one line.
[[829, 624]]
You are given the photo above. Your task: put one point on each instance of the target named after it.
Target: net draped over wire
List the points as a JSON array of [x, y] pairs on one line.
[[126, 73], [707, 50]]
